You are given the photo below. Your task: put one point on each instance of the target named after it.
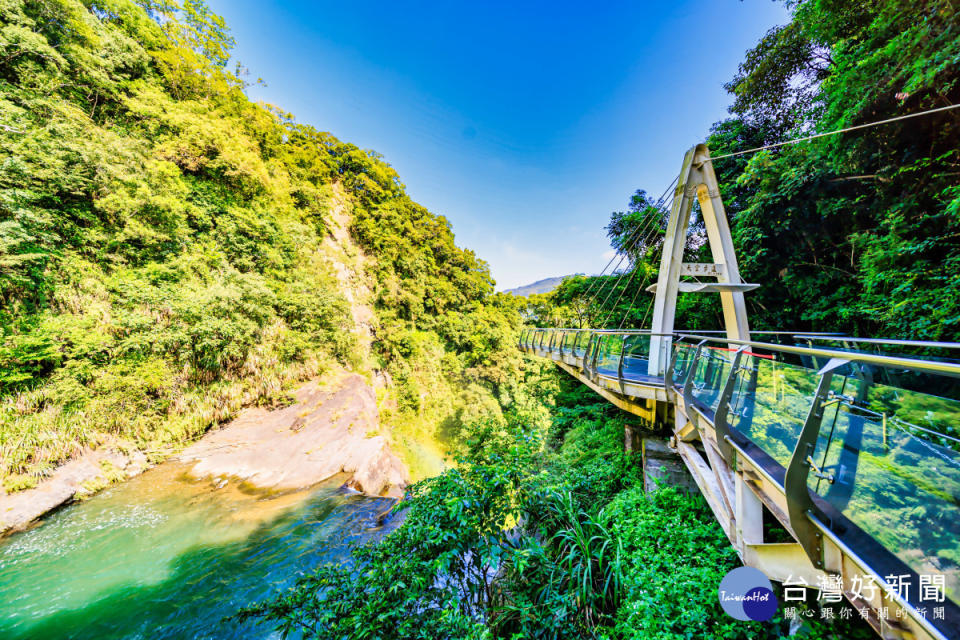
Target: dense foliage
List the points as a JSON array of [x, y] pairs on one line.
[[857, 232], [541, 531]]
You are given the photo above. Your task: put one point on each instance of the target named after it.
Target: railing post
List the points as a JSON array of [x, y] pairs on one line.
[[623, 349], [709, 371], [864, 374], [668, 373], [585, 365], [593, 357], [799, 502], [720, 424], [688, 384]]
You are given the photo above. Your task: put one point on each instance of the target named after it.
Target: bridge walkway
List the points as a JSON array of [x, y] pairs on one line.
[[849, 445]]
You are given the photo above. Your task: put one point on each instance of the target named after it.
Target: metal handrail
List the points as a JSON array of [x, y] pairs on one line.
[[758, 333], [928, 366], [882, 341]]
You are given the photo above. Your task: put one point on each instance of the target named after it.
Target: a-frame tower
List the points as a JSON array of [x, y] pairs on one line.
[[697, 180]]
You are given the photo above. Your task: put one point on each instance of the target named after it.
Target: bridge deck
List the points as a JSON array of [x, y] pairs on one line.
[[827, 440]]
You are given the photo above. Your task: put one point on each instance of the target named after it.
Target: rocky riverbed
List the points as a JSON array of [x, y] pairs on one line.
[[330, 429]]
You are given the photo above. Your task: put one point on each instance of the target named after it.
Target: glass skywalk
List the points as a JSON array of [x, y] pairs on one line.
[[875, 425]]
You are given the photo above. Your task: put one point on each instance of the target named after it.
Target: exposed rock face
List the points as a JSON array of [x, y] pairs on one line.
[[89, 471], [326, 432], [349, 261]]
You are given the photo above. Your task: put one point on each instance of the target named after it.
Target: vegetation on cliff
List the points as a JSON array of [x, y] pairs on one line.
[[161, 245]]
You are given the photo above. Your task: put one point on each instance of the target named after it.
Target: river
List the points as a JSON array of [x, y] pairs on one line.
[[162, 557]]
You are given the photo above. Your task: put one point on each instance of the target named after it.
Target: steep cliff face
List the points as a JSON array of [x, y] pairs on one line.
[[350, 266], [334, 426]]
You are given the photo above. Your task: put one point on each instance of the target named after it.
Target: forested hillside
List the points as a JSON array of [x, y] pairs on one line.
[[540, 286], [857, 232], [161, 246]]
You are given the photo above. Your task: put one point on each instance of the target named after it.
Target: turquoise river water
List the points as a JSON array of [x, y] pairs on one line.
[[161, 557]]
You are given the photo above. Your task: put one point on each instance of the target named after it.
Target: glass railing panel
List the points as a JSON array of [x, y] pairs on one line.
[[770, 403], [685, 353], [565, 344], [895, 465], [712, 369], [580, 346], [938, 415], [636, 356], [608, 354]]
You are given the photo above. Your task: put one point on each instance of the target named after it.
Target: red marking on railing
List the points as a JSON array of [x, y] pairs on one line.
[[746, 353]]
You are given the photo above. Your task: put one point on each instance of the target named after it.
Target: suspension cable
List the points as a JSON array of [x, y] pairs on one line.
[[628, 246], [636, 294], [633, 273], [646, 239], [629, 238], [624, 255], [833, 133]]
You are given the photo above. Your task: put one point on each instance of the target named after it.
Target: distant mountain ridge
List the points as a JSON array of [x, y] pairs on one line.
[[540, 286]]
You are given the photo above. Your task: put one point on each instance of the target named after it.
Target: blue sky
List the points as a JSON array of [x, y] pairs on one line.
[[524, 123]]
